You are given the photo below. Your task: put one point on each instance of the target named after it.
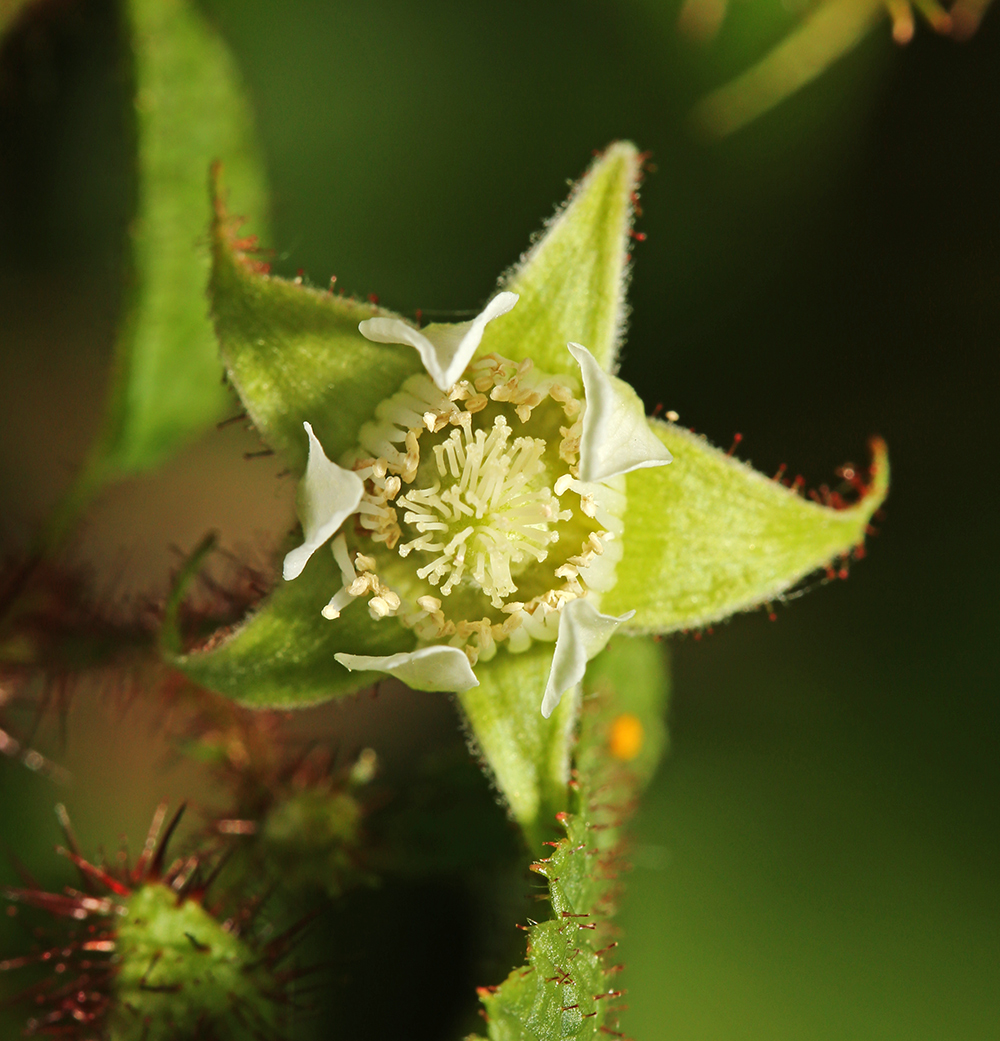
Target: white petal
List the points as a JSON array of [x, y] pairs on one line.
[[429, 668], [583, 633], [328, 495], [616, 436], [445, 349]]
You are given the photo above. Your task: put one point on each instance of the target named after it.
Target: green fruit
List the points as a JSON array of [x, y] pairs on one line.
[[308, 840], [183, 974]]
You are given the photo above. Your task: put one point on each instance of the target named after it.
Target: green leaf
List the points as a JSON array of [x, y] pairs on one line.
[[190, 109], [708, 536], [528, 756], [567, 987], [295, 353], [572, 281], [282, 655]]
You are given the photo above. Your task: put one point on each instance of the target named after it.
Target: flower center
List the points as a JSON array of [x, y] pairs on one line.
[[474, 525], [488, 512]]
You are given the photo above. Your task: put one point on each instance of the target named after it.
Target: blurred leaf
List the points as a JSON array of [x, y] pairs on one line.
[[708, 536], [445, 820], [827, 33], [295, 353], [189, 110], [572, 281], [567, 988], [628, 684], [282, 655], [9, 10]]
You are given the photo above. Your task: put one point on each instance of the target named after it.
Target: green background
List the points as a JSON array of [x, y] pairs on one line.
[[818, 857]]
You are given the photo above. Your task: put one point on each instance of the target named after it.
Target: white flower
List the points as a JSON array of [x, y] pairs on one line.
[[511, 522]]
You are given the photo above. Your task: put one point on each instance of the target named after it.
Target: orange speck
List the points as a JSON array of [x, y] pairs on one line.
[[626, 737]]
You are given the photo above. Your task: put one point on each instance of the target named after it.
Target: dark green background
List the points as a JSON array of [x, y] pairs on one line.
[[818, 858]]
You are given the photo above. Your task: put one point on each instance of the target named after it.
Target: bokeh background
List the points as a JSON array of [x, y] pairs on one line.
[[818, 858]]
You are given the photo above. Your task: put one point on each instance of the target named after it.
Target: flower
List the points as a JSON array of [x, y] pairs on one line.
[[501, 487], [495, 495]]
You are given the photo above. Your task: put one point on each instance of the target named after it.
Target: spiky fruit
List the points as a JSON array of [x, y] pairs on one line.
[[309, 837], [182, 973], [150, 961], [297, 812]]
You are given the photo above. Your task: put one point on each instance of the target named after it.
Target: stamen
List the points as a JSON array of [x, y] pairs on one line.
[[482, 508], [348, 576]]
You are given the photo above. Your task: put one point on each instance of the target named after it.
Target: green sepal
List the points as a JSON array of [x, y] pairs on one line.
[[708, 536], [572, 281], [528, 756], [190, 109], [281, 656], [294, 353], [567, 987]]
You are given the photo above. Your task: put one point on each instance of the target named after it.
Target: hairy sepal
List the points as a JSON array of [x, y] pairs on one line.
[[572, 281], [709, 536], [294, 354], [282, 655], [527, 756]]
